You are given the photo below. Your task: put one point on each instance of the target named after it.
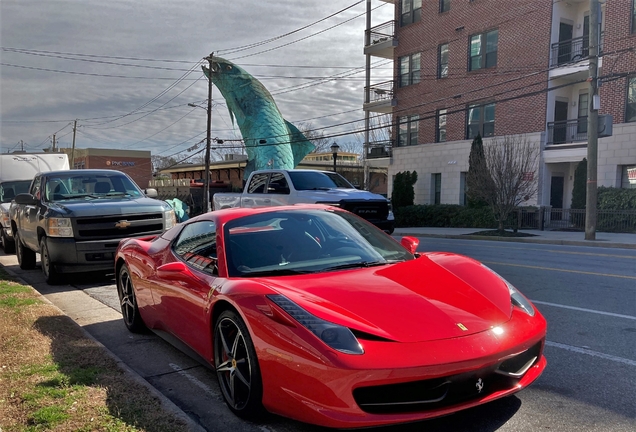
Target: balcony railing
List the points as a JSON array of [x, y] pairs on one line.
[[378, 149], [567, 131], [381, 33], [381, 91], [571, 50]]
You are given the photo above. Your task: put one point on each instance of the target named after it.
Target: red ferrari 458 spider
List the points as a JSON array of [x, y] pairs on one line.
[[312, 313]]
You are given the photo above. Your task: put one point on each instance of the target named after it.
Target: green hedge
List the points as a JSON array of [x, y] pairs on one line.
[[616, 199], [444, 215]]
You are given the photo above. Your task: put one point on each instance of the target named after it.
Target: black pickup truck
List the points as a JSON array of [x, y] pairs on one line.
[[75, 219]]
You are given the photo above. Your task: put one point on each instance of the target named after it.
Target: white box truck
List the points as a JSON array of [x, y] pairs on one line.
[[16, 173]]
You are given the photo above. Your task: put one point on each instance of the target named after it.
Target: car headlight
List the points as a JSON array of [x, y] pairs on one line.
[[516, 297], [336, 336], [59, 227], [169, 219]]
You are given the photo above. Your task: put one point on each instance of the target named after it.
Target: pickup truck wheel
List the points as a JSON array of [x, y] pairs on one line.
[[128, 302], [51, 275], [8, 245], [26, 257]]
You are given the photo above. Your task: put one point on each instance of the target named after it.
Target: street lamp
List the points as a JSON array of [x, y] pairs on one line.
[[334, 149]]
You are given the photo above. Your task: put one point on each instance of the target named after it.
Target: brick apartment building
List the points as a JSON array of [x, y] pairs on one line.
[[136, 163], [503, 68]]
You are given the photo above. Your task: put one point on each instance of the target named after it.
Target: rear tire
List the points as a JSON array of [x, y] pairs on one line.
[[26, 257], [8, 245], [128, 301], [51, 275]]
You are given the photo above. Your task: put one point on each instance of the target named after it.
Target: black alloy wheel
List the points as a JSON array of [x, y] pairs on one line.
[[128, 301], [237, 366], [51, 275], [26, 257]]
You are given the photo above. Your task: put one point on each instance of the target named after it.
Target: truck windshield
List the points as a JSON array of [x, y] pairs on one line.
[[89, 186], [9, 189], [308, 180]]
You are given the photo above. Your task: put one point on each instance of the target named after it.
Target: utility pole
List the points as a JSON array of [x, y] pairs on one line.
[[54, 150], [73, 148], [206, 185], [367, 99], [592, 124]]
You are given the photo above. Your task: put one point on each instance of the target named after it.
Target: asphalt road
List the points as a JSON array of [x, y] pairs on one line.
[[588, 296]]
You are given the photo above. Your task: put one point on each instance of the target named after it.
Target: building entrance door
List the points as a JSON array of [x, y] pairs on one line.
[[560, 122], [556, 197]]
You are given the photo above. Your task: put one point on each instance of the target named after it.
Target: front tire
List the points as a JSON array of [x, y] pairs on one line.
[[51, 275], [237, 367], [128, 301], [26, 257]]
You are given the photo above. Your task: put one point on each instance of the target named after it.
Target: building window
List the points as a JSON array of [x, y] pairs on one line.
[[481, 120], [628, 177], [483, 50], [437, 188], [440, 135], [581, 123], [411, 12], [442, 61], [408, 130], [409, 70], [444, 5], [630, 114]]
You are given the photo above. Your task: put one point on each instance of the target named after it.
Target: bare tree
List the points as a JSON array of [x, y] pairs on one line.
[[322, 144], [506, 178]]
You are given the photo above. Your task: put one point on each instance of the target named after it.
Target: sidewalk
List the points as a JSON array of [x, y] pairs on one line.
[[608, 240]]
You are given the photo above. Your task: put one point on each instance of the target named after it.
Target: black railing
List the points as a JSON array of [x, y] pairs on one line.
[[567, 131], [381, 91], [571, 50], [378, 149], [621, 221], [381, 32]]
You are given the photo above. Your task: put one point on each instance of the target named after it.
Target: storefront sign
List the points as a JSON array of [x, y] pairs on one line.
[[120, 163]]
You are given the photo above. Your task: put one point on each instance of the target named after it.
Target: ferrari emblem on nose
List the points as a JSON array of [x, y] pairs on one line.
[[462, 327], [479, 385], [122, 224]]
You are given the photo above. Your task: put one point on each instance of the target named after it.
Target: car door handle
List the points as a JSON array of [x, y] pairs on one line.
[[267, 200]]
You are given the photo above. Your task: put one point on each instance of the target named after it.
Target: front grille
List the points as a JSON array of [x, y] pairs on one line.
[[369, 210], [428, 395], [103, 228]]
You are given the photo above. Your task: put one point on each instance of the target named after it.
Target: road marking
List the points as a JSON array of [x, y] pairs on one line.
[[584, 310], [591, 353], [194, 380], [561, 270]]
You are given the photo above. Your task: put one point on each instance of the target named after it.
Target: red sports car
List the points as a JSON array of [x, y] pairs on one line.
[[312, 313]]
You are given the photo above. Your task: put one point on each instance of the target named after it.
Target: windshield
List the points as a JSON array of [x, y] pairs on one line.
[[89, 186], [306, 241], [9, 189], [311, 180]]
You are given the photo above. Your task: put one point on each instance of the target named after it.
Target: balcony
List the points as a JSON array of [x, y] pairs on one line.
[[379, 149], [571, 57], [382, 40], [381, 97], [567, 131]]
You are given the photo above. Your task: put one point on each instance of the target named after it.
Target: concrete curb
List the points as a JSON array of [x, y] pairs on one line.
[[166, 403], [587, 243]]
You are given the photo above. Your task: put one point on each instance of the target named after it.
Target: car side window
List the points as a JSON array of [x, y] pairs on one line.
[[35, 187], [257, 184], [278, 184], [196, 245]]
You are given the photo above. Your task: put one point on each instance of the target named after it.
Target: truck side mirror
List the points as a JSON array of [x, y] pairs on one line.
[[25, 199], [151, 193]]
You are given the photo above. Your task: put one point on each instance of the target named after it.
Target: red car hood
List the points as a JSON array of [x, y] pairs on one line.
[[436, 296]]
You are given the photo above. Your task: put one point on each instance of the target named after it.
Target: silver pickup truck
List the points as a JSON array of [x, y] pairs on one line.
[[286, 187]]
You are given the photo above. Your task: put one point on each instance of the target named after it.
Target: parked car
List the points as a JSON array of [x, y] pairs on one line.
[[76, 218], [313, 313], [16, 173], [285, 187]]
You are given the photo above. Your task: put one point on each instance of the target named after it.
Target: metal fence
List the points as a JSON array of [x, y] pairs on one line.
[[548, 218]]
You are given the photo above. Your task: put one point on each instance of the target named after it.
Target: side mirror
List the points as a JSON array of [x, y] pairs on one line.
[[410, 243], [173, 270], [151, 193], [25, 199]]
